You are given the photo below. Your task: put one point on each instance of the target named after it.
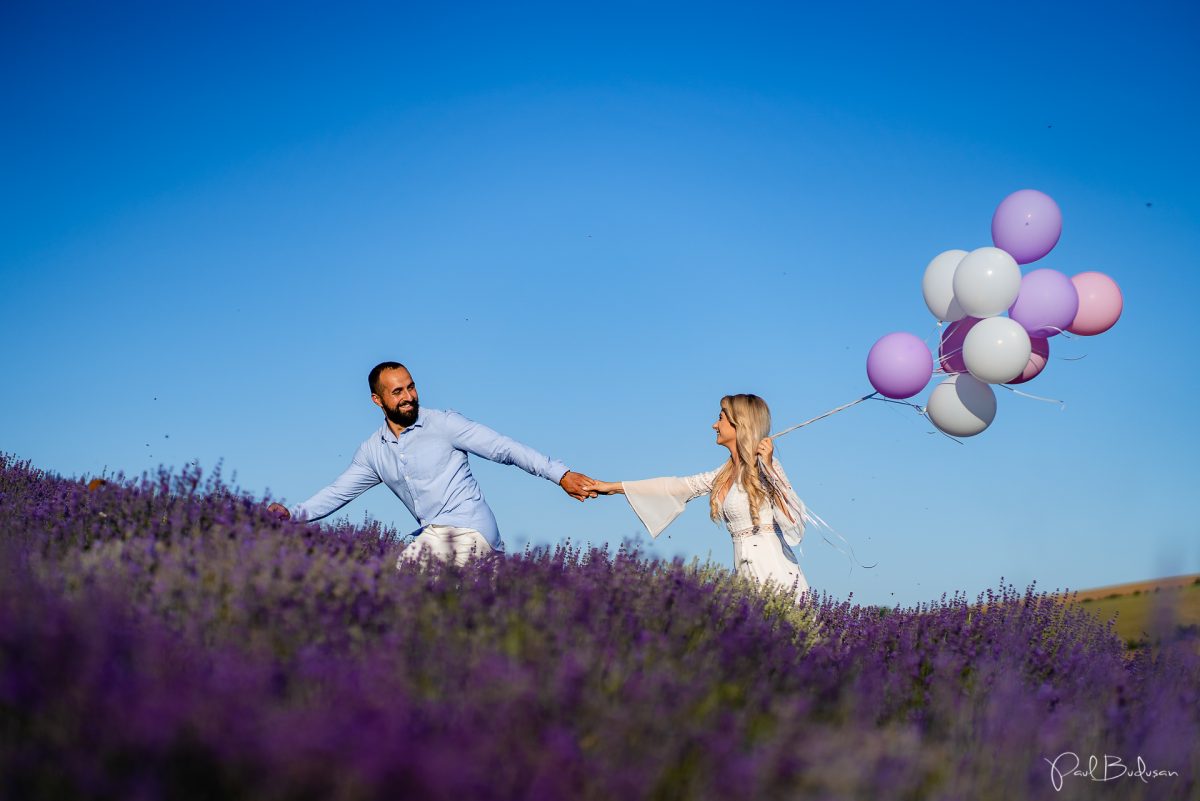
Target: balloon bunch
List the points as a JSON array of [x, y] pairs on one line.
[[981, 346]]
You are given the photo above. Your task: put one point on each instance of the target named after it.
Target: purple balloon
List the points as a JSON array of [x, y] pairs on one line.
[[899, 365], [950, 350], [1027, 224], [1047, 303]]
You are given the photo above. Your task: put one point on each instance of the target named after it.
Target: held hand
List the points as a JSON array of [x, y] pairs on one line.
[[605, 488], [576, 485], [279, 511], [766, 449]]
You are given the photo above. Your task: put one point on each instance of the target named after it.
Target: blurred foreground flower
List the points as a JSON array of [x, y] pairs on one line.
[[168, 638]]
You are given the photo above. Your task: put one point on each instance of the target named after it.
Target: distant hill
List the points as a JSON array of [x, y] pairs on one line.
[[1136, 606]]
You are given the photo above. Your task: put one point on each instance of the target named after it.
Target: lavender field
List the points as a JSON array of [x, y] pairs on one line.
[[165, 638]]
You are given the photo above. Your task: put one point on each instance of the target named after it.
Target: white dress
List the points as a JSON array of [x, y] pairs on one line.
[[762, 553]]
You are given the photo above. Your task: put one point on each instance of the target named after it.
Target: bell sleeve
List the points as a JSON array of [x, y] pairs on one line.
[[658, 501], [791, 516]]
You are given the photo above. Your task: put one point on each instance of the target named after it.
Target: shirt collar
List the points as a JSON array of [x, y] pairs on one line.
[[386, 434]]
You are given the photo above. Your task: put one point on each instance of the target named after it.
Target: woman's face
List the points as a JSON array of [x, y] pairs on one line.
[[725, 431]]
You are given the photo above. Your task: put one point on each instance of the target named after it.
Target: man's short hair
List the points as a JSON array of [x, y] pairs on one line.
[[373, 377]]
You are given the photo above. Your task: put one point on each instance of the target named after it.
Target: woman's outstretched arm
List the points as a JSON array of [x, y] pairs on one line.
[[657, 501]]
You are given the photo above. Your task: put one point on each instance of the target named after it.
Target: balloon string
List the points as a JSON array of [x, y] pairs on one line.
[[1068, 335], [823, 416], [1061, 404], [936, 331], [924, 412], [943, 357], [873, 396], [813, 518], [920, 409]]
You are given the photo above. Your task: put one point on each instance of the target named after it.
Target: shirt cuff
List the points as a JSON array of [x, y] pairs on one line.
[[556, 471]]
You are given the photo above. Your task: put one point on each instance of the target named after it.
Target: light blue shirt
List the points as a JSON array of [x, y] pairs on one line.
[[427, 468]]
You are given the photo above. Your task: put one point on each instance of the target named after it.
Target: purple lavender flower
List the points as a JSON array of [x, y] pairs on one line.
[[165, 638]]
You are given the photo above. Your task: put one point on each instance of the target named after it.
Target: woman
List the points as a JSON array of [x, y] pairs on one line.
[[752, 497]]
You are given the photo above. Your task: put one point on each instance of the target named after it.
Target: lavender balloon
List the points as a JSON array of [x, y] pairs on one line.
[[1047, 303], [1027, 224], [899, 365]]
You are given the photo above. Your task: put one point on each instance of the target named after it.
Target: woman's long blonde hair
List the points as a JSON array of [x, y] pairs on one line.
[[751, 420]]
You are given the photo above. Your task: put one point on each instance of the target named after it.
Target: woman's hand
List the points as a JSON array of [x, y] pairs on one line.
[[766, 449], [604, 487]]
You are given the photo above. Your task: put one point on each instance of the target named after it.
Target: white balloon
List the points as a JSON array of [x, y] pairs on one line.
[[997, 349], [938, 286], [986, 282], [962, 405]]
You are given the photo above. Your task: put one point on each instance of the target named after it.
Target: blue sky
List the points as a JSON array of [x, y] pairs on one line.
[[582, 225]]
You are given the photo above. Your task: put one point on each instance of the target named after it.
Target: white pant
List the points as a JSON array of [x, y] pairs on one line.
[[445, 543]]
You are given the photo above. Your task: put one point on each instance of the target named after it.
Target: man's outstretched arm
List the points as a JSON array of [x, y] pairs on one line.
[[482, 441], [357, 479]]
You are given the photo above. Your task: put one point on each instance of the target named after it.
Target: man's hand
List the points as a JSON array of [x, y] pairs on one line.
[[279, 511], [577, 485]]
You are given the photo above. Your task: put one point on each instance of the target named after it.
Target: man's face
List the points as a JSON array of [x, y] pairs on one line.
[[396, 394]]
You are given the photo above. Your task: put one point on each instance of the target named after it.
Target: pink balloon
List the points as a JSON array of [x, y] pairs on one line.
[[1037, 360], [1100, 304], [950, 351]]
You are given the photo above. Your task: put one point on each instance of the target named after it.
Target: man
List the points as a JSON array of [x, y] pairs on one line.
[[421, 454]]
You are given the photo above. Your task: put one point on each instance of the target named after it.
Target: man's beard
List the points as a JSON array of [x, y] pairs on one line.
[[402, 418]]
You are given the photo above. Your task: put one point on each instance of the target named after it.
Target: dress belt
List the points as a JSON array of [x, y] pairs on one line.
[[750, 532]]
